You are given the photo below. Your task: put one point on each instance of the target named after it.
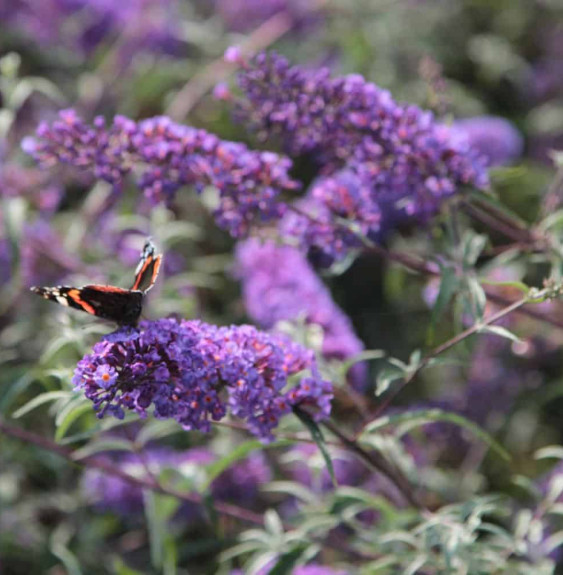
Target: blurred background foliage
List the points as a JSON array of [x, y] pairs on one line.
[[460, 58]]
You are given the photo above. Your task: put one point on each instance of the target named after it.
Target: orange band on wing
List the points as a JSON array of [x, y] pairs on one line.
[[74, 294]]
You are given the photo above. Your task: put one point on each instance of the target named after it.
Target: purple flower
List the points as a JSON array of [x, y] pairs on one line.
[[83, 25], [330, 221], [172, 155], [43, 258], [493, 137], [390, 162], [194, 372], [279, 284]]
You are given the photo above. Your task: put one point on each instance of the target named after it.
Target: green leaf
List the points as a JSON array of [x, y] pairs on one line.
[[449, 285], [120, 568], [156, 528], [549, 452], [69, 414], [500, 331], [520, 286], [286, 563], [474, 244], [477, 295], [363, 356], [411, 419], [386, 376], [41, 399], [318, 438], [157, 429], [100, 446]]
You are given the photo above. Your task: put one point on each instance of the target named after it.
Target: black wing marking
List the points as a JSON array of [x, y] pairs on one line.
[[107, 302]]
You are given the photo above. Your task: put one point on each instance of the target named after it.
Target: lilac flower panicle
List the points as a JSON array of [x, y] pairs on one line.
[[390, 162], [494, 138], [194, 372], [43, 259], [279, 284], [172, 155]]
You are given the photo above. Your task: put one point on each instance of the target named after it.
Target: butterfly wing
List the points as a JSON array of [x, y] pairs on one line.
[[107, 302], [147, 270]]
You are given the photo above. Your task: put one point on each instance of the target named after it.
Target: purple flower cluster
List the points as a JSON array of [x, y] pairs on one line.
[[397, 161], [241, 481], [279, 284], [192, 372], [493, 137], [244, 15], [171, 156], [83, 25], [43, 258]]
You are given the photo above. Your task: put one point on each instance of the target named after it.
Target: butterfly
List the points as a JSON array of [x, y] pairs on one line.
[[109, 302]]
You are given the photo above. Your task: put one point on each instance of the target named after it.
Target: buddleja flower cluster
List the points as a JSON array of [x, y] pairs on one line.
[[170, 156], [195, 372], [381, 161], [279, 284]]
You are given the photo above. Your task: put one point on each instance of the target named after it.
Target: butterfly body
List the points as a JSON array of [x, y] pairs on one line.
[[123, 306]]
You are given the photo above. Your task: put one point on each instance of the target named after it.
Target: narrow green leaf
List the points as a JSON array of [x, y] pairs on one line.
[[474, 244], [69, 414], [318, 438], [520, 286], [411, 419], [477, 296], [366, 355], [120, 568], [449, 285], [549, 452], [100, 446], [386, 376], [156, 528], [500, 331], [286, 563], [41, 399]]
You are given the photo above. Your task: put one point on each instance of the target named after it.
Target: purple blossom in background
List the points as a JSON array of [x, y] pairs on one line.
[[241, 481], [398, 162], [244, 15], [16, 181], [493, 137], [194, 372], [329, 222], [172, 156], [311, 569], [82, 25], [43, 258], [279, 284]]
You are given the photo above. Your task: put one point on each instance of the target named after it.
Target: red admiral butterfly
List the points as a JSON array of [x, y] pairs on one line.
[[108, 302]]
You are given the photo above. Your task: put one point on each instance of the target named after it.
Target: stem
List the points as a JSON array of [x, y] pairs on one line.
[[445, 347], [201, 82], [377, 462]]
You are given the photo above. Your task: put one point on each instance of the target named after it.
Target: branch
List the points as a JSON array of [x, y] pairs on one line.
[[203, 81], [377, 462], [546, 292]]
